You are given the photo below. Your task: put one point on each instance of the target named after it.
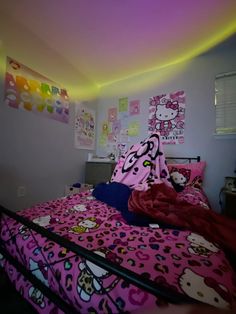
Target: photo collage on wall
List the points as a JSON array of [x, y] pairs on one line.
[[121, 123], [167, 116], [29, 91]]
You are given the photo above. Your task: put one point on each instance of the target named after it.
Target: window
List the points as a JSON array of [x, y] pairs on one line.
[[225, 103]]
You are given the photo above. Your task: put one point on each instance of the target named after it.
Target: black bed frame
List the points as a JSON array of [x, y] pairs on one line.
[[189, 159], [63, 302]]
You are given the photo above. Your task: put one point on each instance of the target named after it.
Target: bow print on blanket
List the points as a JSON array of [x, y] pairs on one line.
[[143, 165]]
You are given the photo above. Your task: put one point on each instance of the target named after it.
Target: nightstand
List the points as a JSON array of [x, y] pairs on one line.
[[97, 172], [230, 204]]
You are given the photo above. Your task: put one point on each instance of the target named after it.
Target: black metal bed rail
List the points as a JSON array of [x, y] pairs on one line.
[[190, 159], [118, 270], [64, 306]]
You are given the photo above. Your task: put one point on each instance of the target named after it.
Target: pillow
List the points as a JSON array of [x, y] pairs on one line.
[[186, 175]]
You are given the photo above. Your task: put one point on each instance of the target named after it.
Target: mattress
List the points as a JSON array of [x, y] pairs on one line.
[[181, 261]]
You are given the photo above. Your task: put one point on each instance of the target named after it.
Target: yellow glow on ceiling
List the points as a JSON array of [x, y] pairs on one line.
[[89, 92], [141, 83], [145, 79], [203, 47]]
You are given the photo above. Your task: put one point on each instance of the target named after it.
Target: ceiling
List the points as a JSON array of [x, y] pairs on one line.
[[109, 40]]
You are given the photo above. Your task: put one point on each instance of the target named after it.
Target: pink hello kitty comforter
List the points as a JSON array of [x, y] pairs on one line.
[[180, 260]]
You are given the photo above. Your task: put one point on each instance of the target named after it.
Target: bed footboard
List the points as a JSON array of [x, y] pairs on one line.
[[121, 272]]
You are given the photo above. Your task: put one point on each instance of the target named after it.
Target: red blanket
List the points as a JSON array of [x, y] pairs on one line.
[[162, 203]]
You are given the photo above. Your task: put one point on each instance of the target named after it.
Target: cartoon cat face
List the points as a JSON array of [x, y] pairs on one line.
[[197, 239], [198, 288], [80, 208], [178, 178], [87, 223], [163, 113], [42, 221]]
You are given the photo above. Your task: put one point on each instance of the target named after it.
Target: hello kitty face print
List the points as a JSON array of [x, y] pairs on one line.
[[179, 178], [200, 246], [166, 115], [208, 289], [44, 221], [77, 208], [86, 225]]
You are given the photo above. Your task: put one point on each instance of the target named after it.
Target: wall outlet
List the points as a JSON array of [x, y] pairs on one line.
[[21, 191]]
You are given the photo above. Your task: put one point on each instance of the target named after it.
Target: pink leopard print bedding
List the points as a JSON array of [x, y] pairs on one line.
[[180, 260]]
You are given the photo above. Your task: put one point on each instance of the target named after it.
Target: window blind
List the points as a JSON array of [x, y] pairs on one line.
[[225, 103]]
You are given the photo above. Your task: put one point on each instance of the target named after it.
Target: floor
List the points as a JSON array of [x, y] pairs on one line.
[[10, 301]]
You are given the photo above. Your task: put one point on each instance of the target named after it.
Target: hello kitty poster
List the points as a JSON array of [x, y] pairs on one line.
[[167, 116]]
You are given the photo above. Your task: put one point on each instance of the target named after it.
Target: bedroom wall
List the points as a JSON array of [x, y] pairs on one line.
[[196, 78], [36, 152]]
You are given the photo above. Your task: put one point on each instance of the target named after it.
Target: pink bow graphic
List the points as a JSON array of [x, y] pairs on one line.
[[172, 106]]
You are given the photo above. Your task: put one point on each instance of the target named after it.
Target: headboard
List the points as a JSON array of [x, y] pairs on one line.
[[185, 159]]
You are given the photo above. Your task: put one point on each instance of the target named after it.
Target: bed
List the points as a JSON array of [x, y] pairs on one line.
[[78, 254]]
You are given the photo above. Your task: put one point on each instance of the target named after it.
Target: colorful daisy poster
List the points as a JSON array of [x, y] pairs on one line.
[[84, 127], [167, 116], [30, 91]]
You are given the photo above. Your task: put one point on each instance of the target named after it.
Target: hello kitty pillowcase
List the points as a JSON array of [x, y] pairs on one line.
[[186, 174]]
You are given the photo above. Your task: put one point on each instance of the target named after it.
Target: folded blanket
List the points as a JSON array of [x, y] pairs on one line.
[[163, 204]]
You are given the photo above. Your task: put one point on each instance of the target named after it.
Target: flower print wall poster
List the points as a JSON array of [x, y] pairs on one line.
[[167, 116], [84, 127], [30, 91]]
